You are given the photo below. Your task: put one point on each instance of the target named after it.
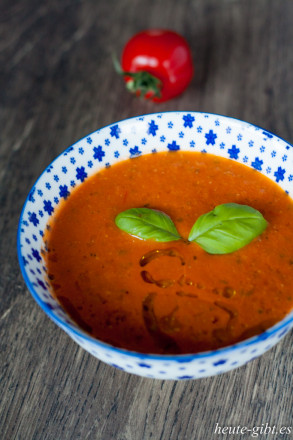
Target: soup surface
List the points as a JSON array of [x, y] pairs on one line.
[[170, 297]]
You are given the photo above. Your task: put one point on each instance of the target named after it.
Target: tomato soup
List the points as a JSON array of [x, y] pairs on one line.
[[170, 297]]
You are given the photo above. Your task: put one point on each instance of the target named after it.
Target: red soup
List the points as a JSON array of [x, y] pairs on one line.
[[170, 297]]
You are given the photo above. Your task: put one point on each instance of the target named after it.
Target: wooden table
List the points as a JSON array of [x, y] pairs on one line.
[[58, 84]]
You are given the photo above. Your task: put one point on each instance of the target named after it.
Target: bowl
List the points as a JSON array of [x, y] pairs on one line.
[[191, 131]]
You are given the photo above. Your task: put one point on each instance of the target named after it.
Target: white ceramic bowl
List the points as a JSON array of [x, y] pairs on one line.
[[190, 131]]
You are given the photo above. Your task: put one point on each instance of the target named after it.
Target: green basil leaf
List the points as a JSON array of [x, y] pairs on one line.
[[227, 228], [148, 224]]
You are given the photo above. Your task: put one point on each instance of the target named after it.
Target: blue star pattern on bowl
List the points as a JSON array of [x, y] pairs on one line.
[[148, 134]]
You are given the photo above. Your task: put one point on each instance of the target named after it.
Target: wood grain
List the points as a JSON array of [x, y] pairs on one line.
[[57, 85]]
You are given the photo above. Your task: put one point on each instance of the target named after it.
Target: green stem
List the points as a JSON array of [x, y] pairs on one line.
[[141, 81]]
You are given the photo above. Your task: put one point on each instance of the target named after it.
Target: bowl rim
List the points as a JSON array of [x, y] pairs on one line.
[[81, 335]]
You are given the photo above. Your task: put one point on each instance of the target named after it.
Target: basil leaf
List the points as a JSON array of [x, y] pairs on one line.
[[148, 224], [227, 228]]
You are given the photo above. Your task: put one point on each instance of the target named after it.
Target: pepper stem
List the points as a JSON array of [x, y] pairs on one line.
[[141, 81]]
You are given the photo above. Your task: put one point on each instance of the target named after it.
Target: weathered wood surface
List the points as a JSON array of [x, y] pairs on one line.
[[57, 85]]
